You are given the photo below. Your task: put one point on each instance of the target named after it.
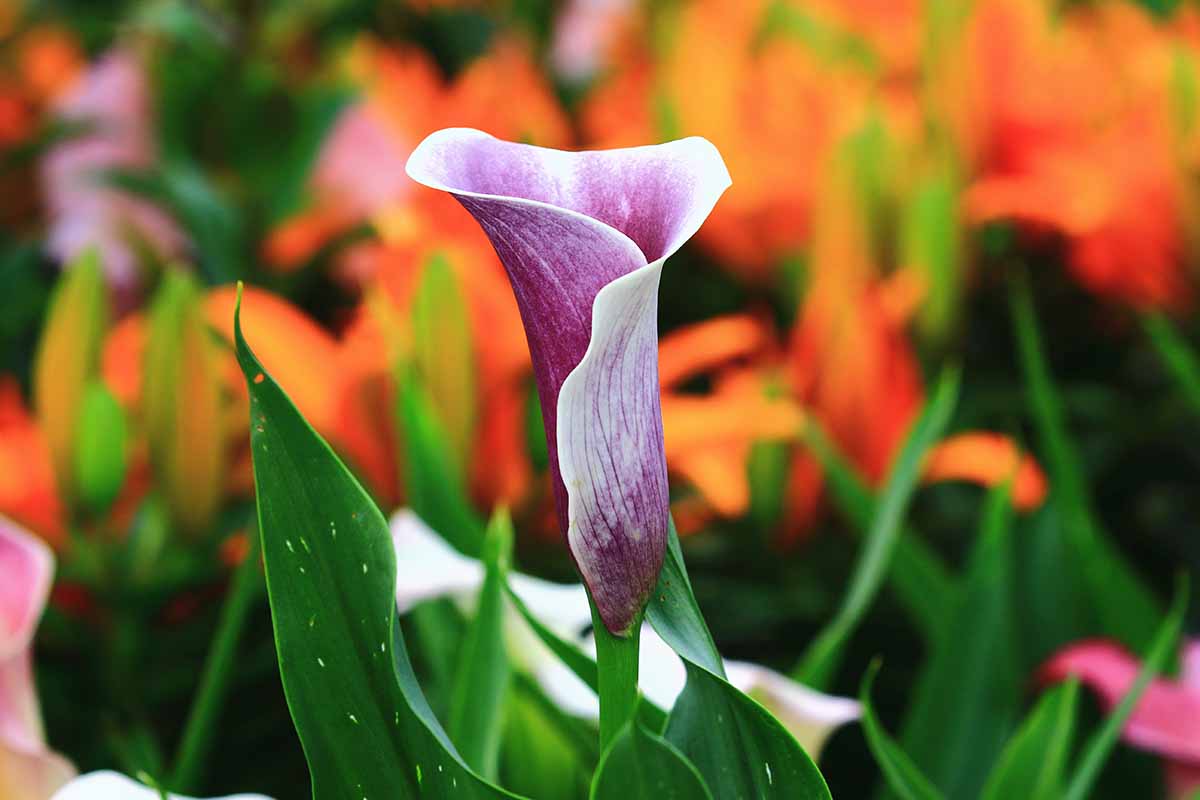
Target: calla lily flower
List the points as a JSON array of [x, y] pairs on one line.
[[29, 770], [428, 568], [114, 786], [1166, 719], [583, 237]]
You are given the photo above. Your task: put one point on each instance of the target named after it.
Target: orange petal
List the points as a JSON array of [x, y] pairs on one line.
[[719, 475], [28, 493], [988, 459], [691, 422], [698, 348]]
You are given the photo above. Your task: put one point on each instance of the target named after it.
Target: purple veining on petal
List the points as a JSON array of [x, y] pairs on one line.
[[583, 237]]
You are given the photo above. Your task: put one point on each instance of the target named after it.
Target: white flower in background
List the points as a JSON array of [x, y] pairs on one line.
[[113, 786], [428, 568]]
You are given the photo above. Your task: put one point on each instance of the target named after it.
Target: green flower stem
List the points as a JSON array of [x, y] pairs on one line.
[[1179, 357], [617, 662], [202, 720]]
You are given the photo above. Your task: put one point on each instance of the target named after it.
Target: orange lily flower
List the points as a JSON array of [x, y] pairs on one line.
[[771, 103], [1072, 133], [28, 489]]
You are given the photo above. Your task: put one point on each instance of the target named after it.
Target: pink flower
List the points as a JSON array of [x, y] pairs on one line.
[[112, 101], [28, 769], [1166, 720]]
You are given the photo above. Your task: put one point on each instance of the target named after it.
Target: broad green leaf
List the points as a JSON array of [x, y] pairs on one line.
[[823, 656], [1177, 354], [433, 483], [1035, 760], [1124, 608], [740, 749], [968, 696], [918, 576], [365, 726], [444, 355], [639, 765], [482, 677], [68, 355], [1100, 745], [902, 775]]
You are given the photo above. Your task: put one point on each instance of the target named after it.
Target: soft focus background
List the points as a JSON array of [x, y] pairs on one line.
[[910, 180]]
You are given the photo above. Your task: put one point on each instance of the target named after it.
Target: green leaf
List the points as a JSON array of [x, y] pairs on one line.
[[1101, 743], [823, 656], [1177, 354], [639, 765], [482, 677], [1035, 760], [901, 774], [918, 576], [968, 695], [366, 728], [433, 483], [739, 748], [1123, 607]]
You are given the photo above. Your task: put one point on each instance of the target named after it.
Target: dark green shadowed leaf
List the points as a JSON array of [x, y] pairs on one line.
[[1177, 354], [1100, 745], [740, 749], [901, 774], [639, 765], [1035, 760], [365, 726], [1120, 604], [482, 677], [823, 656], [967, 699]]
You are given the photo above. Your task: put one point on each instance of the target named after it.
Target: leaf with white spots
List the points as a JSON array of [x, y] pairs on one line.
[[366, 728]]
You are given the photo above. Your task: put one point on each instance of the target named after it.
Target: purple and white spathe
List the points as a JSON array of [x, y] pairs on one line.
[[583, 237]]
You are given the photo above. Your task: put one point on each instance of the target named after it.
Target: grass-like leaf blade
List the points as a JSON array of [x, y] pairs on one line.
[[902, 775], [1035, 760], [823, 656]]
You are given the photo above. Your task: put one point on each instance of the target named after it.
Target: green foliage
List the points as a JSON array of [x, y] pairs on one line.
[[640, 765], [1034, 761], [738, 747], [365, 726], [1120, 603], [823, 656], [902, 775], [966, 700], [482, 678]]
